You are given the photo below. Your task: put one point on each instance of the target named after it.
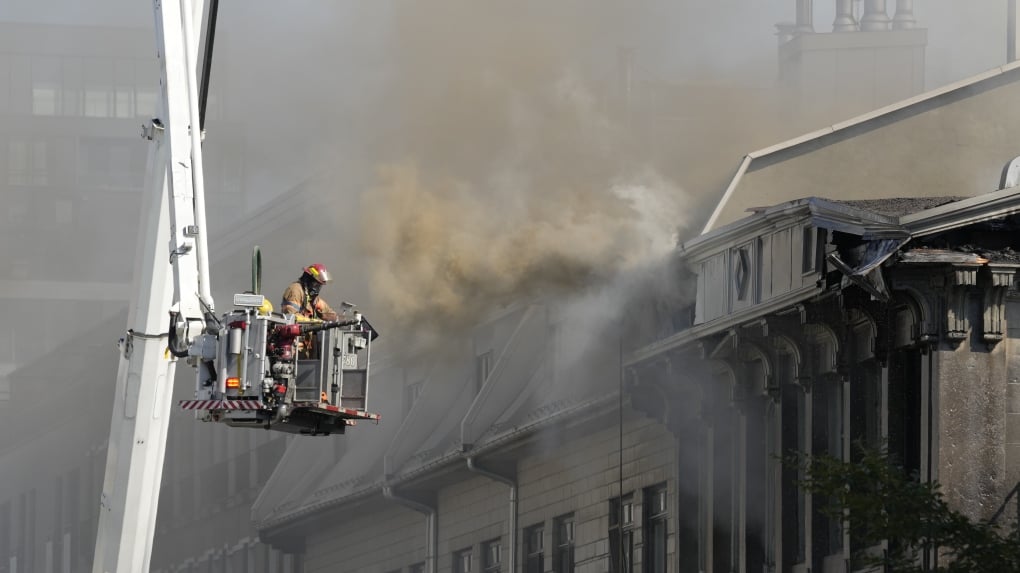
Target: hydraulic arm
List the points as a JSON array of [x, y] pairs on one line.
[[178, 280]]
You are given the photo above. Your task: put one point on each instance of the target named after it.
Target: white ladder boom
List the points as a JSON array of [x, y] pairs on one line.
[[175, 215]]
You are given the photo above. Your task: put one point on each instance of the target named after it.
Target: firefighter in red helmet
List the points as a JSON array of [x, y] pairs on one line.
[[302, 296]]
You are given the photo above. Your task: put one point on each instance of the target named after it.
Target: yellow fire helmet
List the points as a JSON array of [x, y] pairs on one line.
[[266, 308]]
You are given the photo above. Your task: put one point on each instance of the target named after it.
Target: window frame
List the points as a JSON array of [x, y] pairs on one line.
[[489, 565], [621, 534], [534, 558], [459, 564], [655, 515], [564, 547]]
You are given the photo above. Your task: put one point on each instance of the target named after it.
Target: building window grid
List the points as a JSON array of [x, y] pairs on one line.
[[563, 544], [90, 87], [534, 549], [621, 534]]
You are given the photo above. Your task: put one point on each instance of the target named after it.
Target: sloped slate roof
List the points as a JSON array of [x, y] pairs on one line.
[[317, 472], [527, 389]]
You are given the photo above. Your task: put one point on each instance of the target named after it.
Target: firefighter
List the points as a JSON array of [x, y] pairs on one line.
[[302, 296]]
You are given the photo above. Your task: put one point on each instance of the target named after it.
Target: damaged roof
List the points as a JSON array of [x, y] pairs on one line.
[[898, 206]]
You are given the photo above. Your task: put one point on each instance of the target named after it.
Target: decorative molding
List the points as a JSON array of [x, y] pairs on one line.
[[742, 272], [998, 279], [959, 281]]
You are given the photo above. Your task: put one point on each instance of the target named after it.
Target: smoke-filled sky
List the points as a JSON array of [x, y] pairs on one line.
[[490, 150], [487, 143], [477, 144]]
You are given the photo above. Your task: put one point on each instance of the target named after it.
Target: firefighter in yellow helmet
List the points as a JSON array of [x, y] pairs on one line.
[[302, 296]]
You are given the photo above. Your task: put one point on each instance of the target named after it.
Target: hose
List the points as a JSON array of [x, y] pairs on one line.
[[172, 342]]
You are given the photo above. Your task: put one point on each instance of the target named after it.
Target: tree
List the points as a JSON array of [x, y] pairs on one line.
[[879, 502]]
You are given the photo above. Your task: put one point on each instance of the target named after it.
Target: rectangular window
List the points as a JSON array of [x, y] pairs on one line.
[[17, 163], [124, 88], [483, 366], [71, 86], [45, 85], [26, 162], [655, 529], [563, 544], [97, 102], [417, 568], [44, 100], [124, 101], [65, 553], [411, 393], [621, 534], [809, 244], [145, 102], [534, 560], [462, 561], [492, 556]]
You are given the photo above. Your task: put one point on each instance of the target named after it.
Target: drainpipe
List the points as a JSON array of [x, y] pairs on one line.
[[512, 483], [431, 530]]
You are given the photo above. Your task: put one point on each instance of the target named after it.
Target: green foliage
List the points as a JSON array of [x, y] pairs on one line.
[[881, 502]]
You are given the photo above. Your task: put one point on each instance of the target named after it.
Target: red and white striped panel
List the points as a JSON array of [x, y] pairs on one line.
[[348, 412], [220, 405]]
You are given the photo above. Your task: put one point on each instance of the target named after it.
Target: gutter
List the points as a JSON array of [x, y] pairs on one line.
[[431, 526], [472, 466]]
